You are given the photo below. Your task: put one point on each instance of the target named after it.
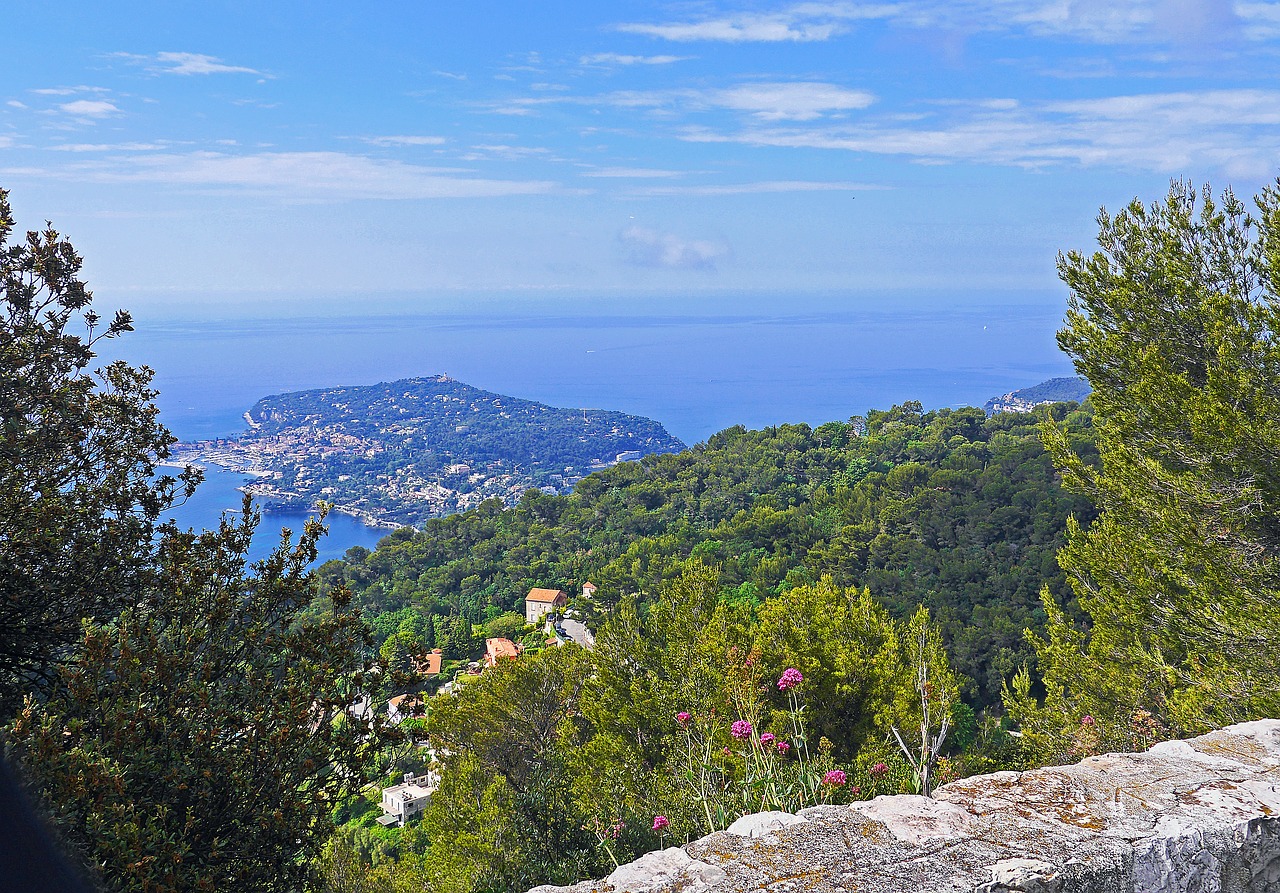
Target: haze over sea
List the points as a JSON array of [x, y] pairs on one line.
[[696, 365]]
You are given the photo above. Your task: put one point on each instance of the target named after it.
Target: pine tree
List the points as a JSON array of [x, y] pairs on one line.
[[1176, 324]]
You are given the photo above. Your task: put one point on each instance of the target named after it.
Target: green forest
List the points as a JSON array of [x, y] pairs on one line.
[[783, 617]]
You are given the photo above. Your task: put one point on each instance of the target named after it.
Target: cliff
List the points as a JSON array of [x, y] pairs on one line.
[[1199, 815]]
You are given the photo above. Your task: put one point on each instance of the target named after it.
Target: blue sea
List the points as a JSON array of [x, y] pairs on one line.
[[696, 365]]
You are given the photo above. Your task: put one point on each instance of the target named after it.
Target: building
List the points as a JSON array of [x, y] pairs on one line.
[[588, 590], [403, 707], [499, 649], [429, 664], [541, 602], [403, 801]]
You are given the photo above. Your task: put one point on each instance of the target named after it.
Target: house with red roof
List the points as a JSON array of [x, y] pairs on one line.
[[541, 602]]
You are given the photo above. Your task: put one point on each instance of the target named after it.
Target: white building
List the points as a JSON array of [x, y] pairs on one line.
[[406, 800]]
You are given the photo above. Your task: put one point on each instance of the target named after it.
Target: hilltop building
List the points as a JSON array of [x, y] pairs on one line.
[[541, 602], [403, 801], [499, 649]]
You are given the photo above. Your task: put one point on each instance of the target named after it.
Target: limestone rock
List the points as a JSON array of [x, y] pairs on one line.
[[1196, 816]]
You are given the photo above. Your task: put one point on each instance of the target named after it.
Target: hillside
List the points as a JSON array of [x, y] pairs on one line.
[[951, 509], [398, 453], [1071, 389]]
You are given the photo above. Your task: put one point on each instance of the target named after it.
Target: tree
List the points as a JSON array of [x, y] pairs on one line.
[[79, 499], [201, 740], [1175, 321]]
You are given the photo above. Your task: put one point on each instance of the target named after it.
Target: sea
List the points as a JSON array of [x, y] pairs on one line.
[[696, 364]]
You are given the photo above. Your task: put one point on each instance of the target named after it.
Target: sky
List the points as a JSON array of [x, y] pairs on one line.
[[255, 155]]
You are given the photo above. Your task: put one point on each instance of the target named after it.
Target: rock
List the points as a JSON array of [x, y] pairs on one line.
[[761, 823], [1024, 875], [1195, 816], [671, 868]]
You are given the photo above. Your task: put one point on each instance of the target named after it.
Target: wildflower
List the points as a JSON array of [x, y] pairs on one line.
[[783, 747], [683, 718], [855, 791], [791, 677], [767, 739], [1087, 720], [741, 730], [836, 778], [660, 823], [879, 770], [726, 752]]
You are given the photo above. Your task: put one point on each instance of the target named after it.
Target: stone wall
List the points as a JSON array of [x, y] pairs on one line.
[[1197, 816]]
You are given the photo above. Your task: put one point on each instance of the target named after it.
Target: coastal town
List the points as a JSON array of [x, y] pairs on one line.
[[397, 454]]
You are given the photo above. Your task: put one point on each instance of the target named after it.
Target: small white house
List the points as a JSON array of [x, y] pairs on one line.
[[541, 602], [406, 800]]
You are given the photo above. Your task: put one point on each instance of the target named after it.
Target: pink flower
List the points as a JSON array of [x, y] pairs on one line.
[[783, 747], [855, 791], [879, 770], [766, 739], [683, 718], [726, 752], [660, 823], [791, 677], [1087, 720], [836, 778], [741, 730]]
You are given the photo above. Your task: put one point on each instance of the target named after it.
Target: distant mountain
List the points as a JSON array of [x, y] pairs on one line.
[[404, 451], [1055, 390]]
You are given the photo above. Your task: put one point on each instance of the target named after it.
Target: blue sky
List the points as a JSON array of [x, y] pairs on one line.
[[215, 152]]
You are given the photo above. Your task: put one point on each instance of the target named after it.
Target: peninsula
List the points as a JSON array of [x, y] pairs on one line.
[[398, 453]]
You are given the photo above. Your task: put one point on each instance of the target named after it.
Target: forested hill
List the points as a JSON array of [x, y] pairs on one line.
[[404, 451], [952, 509], [1055, 390]]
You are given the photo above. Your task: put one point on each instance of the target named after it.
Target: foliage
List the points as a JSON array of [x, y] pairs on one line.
[[1174, 321], [201, 739], [79, 499], [948, 509]]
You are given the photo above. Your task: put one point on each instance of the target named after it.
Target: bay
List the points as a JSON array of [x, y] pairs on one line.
[[696, 365]]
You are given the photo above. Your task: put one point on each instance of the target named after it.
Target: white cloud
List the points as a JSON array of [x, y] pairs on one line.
[[1235, 131], [803, 22], [197, 63], [1194, 22], [68, 91], [649, 248], [108, 147], [759, 188], [621, 59], [6, 142], [15, 104], [404, 140], [790, 101], [89, 109], [311, 176], [768, 101], [632, 173]]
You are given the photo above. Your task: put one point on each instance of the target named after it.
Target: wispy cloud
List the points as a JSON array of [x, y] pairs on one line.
[[803, 22], [802, 101], [644, 173], [309, 176], [198, 63], [89, 109], [760, 188], [404, 140], [108, 147], [767, 100], [645, 247], [1098, 21], [621, 59], [67, 91], [1234, 131]]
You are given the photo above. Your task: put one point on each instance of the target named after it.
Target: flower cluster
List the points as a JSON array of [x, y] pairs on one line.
[[741, 730], [660, 823], [767, 739], [683, 718], [879, 770], [791, 678], [836, 778]]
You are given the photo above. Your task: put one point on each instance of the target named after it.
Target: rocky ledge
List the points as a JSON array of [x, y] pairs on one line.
[[1196, 816]]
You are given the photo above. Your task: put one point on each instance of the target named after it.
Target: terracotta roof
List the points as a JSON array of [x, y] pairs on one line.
[[430, 665], [500, 648], [545, 595]]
